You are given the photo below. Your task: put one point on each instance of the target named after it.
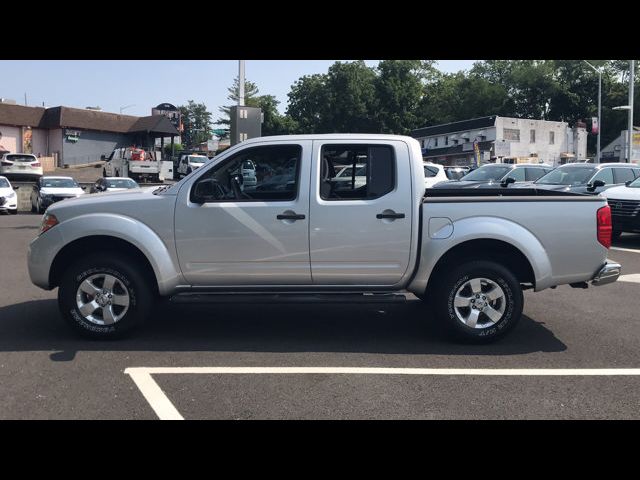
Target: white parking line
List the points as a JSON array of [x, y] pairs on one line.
[[632, 277], [165, 410], [625, 249]]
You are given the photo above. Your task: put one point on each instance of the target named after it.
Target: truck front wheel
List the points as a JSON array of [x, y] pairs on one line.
[[479, 301], [103, 296]]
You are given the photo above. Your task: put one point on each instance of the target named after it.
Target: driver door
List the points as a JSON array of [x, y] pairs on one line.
[[245, 234]]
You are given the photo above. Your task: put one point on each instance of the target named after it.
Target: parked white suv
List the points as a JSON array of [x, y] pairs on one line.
[[189, 163], [433, 173], [8, 197], [20, 164]]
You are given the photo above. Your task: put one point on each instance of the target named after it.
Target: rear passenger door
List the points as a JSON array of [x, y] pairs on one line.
[[360, 227], [623, 175]]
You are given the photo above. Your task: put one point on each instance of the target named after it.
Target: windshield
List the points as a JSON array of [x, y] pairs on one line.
[[198, 159], [4, 183], [121, 183], [59, 183], [567, 176], [487, 173], [634, 184]]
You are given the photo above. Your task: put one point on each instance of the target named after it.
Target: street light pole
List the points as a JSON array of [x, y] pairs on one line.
[[631, 79], [599, 70]]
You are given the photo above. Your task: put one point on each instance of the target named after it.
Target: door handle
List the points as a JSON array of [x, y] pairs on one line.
[[390, 215], [290, 216]]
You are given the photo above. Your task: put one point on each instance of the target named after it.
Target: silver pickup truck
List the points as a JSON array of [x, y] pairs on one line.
[[299, 232]]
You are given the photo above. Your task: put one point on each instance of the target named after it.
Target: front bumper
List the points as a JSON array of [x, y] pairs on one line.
[[609, 273]]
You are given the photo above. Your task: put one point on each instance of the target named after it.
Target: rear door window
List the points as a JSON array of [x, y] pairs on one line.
[[623, 175], [374, 167], [532, 174]]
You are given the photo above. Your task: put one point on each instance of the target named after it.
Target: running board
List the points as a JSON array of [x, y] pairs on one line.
[[292, 297]]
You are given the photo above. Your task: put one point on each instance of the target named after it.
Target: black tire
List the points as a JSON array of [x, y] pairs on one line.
[[33, 207], [104, 173], [125, 270], [39, 208], [615, 234], [443, 301]]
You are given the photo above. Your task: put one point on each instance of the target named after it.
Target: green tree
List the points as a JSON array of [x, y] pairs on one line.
[[308, 104], [274, 123], [197, 123], [342, 100], [399, 89], [250, 99]]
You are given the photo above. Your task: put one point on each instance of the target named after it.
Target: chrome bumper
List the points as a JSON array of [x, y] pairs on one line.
[[609, 273]]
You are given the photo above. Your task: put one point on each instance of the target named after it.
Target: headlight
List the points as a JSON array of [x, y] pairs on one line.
[[12, 195], [48, 221]]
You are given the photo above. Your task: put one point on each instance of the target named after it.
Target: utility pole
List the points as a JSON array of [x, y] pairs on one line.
[[241, 83], [599, 70], [631, 79]]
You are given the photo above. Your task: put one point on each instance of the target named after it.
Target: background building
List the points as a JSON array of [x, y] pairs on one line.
[[617, 150], [77, 136], [503, 139]]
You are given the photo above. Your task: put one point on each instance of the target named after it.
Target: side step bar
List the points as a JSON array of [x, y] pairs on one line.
[[292, 297]]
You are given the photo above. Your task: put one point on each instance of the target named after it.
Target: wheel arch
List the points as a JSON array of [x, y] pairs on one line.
[[498, 251], [99, 243]]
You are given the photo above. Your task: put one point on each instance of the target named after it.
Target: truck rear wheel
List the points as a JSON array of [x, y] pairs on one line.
[[103, 296], [478, 301]]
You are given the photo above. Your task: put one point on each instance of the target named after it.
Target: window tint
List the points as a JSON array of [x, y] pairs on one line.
[[430, 171], [517, 174], [21, 158], [622, 175], [606, 175], [351, 172], [58, 183], [273, 175], [532, 173]]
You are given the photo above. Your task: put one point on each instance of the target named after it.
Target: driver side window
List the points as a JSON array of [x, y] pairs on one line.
[[267, 173], [606, 175]]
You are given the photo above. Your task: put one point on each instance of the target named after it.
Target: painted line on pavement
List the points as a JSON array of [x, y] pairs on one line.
[[164, 409], [625, 249], [632, 277]]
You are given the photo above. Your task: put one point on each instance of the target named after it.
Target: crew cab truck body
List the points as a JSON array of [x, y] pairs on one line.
[[469, 255]]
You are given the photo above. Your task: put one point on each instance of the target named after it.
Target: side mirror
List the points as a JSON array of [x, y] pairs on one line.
[[103, 158], [206, 190], [16, 188], [507, 181], [597, 183], [626, 184]]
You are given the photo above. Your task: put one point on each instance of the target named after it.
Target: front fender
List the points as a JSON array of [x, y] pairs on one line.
[[484, 228], [164, 264]]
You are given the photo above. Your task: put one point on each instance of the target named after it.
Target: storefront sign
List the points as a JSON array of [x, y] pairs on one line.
[[72, 135]]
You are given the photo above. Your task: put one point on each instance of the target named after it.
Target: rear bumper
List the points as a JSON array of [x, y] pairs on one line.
[[609, 273]]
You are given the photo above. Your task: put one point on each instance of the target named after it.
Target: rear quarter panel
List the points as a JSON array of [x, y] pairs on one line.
[[557, 235]]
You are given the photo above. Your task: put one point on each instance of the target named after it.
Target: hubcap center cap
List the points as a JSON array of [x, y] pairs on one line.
[[102, 299]]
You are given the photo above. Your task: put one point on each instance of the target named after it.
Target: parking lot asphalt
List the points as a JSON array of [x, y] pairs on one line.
[[46, 372]]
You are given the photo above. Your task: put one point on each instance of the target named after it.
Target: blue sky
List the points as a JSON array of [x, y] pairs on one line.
[[112, 84]]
